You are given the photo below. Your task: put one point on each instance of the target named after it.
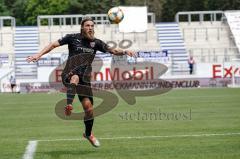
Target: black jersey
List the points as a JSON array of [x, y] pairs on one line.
[[81, 52], [77, 44]]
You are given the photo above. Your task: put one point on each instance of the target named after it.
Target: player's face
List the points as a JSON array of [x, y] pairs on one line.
[[88, 30]]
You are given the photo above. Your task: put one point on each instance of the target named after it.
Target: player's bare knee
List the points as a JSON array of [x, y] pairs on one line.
[[88, 109], [86, 102], [87, 106]]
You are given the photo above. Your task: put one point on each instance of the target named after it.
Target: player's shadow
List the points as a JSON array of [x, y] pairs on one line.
[[59, 154]]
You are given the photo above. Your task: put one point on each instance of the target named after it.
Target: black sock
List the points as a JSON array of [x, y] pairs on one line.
[[88, 126], [71, 91]]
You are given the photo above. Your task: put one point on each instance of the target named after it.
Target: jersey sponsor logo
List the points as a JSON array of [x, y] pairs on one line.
[[85, 50], [92, 44]]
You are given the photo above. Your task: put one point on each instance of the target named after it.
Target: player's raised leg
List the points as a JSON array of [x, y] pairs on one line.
[[71, 91]]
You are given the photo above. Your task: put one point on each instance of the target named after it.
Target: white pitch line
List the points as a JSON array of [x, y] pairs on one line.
[[30, 149], [145, 137], [32, 145]]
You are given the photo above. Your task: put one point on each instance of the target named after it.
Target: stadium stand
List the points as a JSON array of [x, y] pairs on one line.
[[207, 36], [7, 26], [26, 44], [171, 40], [53, 27]]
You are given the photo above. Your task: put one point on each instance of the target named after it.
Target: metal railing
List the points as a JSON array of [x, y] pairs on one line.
[[4, 34], [75, 20], [206, 31], [130, 36], [214, 54], [63, 20], [199, 16]]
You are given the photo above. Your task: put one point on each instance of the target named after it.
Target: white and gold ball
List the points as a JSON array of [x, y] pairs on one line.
[[115, 15]]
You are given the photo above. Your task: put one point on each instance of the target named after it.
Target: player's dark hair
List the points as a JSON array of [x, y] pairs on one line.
[[85, 20]]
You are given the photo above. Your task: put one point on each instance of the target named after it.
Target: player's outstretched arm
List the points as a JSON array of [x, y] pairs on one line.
[[120, 52], [44, 51]]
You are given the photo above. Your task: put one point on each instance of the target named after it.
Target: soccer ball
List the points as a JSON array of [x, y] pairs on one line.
[[115, 15]]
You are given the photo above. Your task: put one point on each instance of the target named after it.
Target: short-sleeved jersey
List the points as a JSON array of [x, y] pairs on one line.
[[81, 51], [77, 44]]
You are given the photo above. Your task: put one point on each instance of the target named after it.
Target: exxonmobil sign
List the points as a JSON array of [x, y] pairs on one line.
[[224, 71], [117, 73]]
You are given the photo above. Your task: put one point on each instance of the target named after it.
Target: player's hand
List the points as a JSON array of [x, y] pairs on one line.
[[131, 53], [33, 58]]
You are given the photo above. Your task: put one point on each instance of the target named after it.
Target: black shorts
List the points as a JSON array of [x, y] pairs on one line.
[[13, 85], [83, 89]]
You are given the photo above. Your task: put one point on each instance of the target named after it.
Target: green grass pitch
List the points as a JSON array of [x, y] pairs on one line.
[[191, 112]]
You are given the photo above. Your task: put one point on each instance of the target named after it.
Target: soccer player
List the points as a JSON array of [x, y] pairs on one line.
[[76, 74], [12, 83]]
